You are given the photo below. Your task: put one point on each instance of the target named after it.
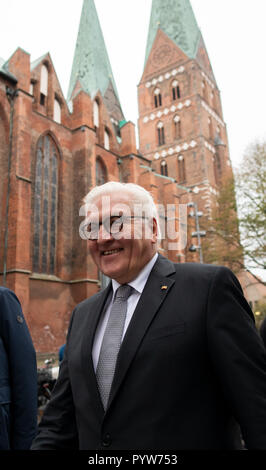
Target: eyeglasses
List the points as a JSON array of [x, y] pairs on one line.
[[113, 225]]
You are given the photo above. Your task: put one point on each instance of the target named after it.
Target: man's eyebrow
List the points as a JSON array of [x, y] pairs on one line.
[[100, 219]]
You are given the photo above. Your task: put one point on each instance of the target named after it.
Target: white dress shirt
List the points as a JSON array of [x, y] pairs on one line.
[[138, 285]]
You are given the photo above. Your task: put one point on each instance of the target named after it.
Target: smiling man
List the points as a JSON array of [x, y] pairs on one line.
[[166, 357]]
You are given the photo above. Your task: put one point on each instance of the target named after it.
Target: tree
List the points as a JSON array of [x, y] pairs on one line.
[[236, 232], [222, 243], [251, 201]]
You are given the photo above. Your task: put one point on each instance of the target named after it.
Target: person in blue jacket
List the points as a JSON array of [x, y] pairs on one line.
[[18, 376], [61, 353]]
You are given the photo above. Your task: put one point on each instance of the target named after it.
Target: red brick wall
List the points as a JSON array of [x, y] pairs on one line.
[[3, 176]]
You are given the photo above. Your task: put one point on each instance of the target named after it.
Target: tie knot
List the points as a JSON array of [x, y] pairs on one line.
[[123, 292]]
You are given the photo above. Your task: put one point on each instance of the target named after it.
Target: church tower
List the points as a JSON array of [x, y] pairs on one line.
[[91, 69], [181, 127]]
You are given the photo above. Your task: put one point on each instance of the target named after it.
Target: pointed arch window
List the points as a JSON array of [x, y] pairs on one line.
[[101, 172], [217, 168], [31, 90], [210, 128], [45, 206], [157, 98], [213, 100], [204, 90], [106, 139], [44, 85], [57, 111], [177, 128], [176, 94], [160, 133], [96, 114], [181, 169], [164, 168]]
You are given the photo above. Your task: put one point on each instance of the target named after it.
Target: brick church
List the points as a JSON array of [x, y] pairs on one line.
[[54, 149]]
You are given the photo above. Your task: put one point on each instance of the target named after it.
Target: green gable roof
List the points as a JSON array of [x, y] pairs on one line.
[[36, 62], [176, 19], [4, 70], [91, 65]]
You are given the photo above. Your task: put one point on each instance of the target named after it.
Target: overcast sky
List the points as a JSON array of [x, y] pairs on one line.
[[234, 32]]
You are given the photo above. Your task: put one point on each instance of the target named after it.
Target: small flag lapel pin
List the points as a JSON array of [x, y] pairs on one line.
[[164, 288]]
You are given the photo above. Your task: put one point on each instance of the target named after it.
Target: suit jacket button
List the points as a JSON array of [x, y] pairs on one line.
[[106, 440]]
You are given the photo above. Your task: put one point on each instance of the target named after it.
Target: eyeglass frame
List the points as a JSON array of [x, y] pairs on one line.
[[108, 224]]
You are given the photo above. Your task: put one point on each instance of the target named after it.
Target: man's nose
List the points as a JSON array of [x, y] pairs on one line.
[[104, 234]]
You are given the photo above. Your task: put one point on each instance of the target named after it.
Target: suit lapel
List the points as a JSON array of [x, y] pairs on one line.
[[149, 303], [96, 310]]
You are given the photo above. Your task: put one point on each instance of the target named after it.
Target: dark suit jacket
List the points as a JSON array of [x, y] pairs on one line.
[[18, 376], [191, 365], [263, 331]]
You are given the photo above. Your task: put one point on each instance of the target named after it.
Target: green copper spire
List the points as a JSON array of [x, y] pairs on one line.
[[176, 19], [91, 65]]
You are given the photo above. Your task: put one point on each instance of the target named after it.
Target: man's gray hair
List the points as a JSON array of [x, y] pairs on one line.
[[140, 196]]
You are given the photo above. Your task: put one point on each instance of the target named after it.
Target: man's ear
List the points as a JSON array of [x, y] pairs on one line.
[[154, 237]]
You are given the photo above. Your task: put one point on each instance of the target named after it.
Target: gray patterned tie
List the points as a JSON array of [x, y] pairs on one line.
[[111, 342]]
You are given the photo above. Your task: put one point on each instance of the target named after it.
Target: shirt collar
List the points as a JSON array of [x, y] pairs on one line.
[[139, 282]]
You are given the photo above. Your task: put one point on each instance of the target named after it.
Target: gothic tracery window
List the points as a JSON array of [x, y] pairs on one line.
[[45, 206]]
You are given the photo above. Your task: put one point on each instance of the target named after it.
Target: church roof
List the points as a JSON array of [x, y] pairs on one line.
[[176, 19], [91, 65]]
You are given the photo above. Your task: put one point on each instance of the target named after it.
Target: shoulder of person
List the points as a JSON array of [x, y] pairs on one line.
[[193, 270], [5, 290], [205, 273], [201, 268], [11, 315], [8, 294]]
